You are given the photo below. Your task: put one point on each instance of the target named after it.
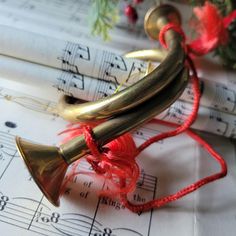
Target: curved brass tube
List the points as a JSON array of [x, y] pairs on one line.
[[48, 164], [123, 123], [141, 91], [153, 94], [152, 55]]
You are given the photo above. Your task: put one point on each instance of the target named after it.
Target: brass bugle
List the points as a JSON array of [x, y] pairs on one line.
[[48, 164], [152, 55], [144, 89]]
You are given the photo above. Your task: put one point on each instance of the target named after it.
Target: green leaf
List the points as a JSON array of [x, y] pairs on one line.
[[103, 16]]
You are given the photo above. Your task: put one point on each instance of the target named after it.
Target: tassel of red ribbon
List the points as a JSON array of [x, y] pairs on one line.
[[116, 162], [211, 28]]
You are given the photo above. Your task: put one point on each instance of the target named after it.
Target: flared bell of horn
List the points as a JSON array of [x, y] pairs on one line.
[[46, 166], [163, 86]]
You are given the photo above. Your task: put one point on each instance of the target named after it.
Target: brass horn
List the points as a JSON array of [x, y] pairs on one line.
[[144, 89], [127, 109]]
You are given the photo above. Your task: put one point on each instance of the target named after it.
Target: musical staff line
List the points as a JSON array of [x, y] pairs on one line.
[[27, 213], [7, 141]]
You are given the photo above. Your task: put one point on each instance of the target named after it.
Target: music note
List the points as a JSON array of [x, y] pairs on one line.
[[225, 98], [137, 70], [77, 81], [146, 182], [119, 63], [83, 52], [109, 76], [72, 54], [141, 179], [106, 88], [216, 123], [176, 113]]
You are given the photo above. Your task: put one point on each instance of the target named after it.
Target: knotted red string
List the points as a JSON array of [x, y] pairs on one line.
[[116, 160], [179, 129], [211, 29]]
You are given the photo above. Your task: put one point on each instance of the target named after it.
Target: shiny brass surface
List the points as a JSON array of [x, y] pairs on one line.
[[157, 17], [141, 91], [127, 110], [111, 129], [46, 166], [152, 55]]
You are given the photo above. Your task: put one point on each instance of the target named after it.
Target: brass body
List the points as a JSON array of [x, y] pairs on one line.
[[152, 55], [126, 110], [144, 89]]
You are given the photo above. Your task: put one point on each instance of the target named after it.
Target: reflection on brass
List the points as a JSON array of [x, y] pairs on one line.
[[48, 164], [151, 55], [141, 91], [129, 109], [157, 17]]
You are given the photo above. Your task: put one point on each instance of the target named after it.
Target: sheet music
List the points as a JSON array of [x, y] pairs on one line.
[[24, 211], [67, 56], [209, 119], [72, 84], [69, 19], [82, 60], [213, 95], [25, 207], [164, 168]]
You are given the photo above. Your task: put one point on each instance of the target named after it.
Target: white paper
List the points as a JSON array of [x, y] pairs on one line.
[[70, 66], [214, 117], [166, 168], [24, 211]]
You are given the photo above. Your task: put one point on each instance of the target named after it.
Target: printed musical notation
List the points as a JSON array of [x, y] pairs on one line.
[[146, 182], [146, 132], [73, 53], [111, 67], [70, 84], [209, 120], [188, 92], [36, 215], [83, 87], [217, 123], [7, 145], [20, 212], [81, 213], [176, 113], [213, 95], [225, 98], [7, 152], [28, 102]]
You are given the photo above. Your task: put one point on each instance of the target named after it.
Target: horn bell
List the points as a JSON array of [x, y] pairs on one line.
[[46, 165]]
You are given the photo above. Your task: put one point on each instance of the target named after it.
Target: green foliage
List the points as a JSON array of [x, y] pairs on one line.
[[103, 16], [228, 52]]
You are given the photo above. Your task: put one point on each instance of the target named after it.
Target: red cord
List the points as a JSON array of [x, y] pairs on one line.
[[120, 161], [180, 129], [192, 187], [167, 27]]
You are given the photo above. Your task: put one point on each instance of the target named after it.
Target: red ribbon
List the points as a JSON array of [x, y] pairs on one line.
[[212, 29]]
